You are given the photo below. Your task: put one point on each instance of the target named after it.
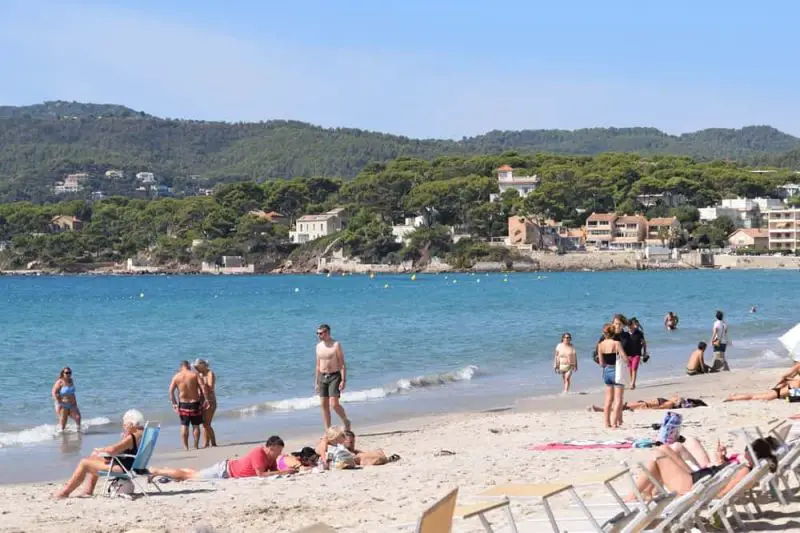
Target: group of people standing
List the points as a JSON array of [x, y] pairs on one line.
[[195, 401]]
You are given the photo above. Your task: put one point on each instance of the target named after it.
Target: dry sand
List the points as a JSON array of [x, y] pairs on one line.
[[490, 448]]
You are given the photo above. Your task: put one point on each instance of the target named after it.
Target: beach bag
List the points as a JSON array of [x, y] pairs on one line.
[[794, 396], [340, 457], [670, 428], [621, 374], [120, 488]]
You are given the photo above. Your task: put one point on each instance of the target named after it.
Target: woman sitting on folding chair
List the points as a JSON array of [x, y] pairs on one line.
[[669, 469], [132, 428]]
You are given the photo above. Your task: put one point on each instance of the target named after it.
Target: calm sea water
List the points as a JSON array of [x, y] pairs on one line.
[[436, 343]]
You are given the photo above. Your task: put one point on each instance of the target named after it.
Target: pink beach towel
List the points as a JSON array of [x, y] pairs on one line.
[[577, 445]]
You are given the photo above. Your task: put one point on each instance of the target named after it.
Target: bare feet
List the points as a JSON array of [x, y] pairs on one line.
[[347, 424]]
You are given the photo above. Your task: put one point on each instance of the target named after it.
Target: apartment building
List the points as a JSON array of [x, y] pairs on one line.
[[784, 229]]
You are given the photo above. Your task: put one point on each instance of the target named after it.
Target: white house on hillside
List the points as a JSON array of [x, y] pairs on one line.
[[311, 227], [507, 180], [402, 231], [146, 177]]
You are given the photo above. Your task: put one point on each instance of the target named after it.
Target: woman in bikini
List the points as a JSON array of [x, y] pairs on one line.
[[565, 361], [132, 428], [305, 459], [66, 404], [669, 468], [608, 350], [208, 381], [676, 402], [782, 390]]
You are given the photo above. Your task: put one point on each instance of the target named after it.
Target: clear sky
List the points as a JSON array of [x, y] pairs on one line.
[[423, 68]]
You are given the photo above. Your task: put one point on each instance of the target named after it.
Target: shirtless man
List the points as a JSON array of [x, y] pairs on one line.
[[670, 321], [697, 364], [565, 361], [330, 376], [189, 403]]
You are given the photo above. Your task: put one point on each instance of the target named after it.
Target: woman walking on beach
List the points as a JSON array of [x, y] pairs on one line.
[[208, 380], [66, 404], [565, 361], [609, 351]]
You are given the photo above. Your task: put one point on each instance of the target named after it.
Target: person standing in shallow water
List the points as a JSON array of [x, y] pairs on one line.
[[565, 361], [720, 343], [208, 381], [330, 376]]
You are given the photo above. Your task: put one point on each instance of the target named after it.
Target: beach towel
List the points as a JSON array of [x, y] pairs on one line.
[[582, 445], [670, 428]]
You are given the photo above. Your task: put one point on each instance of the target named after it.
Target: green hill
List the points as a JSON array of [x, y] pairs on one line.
[[40, 143]]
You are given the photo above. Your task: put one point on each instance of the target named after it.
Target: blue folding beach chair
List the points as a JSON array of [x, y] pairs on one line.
[[140, 462]]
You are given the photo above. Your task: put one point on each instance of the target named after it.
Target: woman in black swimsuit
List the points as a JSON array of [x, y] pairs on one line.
[[669, 469], [132, 429]]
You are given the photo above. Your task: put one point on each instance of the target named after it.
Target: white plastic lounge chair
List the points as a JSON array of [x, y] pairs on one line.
[[738, 494], [140, 462], [692, 518], [480, 509], [438, 518]]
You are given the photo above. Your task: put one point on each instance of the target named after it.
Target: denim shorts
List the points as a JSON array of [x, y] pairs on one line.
[[609, 374]]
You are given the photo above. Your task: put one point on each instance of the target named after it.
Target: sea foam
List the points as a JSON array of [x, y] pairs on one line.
[[47, 432]]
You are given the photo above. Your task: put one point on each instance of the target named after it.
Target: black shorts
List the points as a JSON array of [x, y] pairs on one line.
[[720, 348], [190, 413], [329, 385]]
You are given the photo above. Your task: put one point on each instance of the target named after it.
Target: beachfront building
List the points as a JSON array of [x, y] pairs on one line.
[[661, 231], [506, 180], [311, 227], [744, 212], [783, 226], [757, 239], [401, 232], [523, 231], [600, 230], [146, 177], [630, 233]]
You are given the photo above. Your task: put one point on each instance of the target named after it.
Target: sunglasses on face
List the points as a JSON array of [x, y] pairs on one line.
[[68, 373]]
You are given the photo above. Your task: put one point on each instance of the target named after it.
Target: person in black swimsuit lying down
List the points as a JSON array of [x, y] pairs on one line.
[[676, 402], [132, 429]]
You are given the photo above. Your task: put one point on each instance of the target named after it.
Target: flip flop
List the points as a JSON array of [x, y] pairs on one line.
[[443, 453]]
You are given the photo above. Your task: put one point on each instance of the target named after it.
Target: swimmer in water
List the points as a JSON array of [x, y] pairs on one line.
[[753, 309]]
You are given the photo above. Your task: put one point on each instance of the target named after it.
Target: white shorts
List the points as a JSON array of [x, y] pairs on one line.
[[216, 471]]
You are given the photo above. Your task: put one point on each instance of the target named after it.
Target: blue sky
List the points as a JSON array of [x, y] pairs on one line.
[[412, 67]]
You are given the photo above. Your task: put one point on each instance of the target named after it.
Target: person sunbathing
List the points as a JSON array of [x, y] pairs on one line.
[[367, 458], [305, 459], [258, 462], [132, 428], [783, 389], [668, 468], [676, 402]]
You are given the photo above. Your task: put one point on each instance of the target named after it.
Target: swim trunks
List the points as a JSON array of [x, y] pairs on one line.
[[633, 361], [190, 413], [329, 385]]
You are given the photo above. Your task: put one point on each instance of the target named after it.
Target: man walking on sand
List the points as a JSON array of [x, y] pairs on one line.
[[720, 343], [189, 403], [330, 376]]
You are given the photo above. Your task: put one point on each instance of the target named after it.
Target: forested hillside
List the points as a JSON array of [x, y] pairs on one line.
[[41, 143]]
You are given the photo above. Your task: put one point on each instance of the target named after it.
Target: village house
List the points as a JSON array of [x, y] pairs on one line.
[[744, 212], [273, 217], [630, 233], [312, 227], [506, 180], [523, 231], [783, 226], [757, 239], [115, 174], [600, 230], [146, 177], [667, 199], [662, 230], [549, 234], [72, 183], [61, 223], [401, 232]]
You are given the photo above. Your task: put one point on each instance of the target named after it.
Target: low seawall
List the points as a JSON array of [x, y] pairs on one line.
[[756, 262]]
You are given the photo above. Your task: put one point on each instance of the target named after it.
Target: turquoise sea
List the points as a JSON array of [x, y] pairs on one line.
[[434, 344]]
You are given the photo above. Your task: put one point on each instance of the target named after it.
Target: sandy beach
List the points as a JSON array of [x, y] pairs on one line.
[[490, 448]]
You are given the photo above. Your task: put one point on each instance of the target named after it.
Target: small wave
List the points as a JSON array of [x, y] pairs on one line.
[[47, 432], [377, 393]]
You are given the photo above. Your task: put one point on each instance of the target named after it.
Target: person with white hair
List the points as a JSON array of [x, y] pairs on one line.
[[132, 428], [208, 379]]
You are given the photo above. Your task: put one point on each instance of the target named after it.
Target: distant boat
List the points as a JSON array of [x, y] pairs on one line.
[[791, 340]]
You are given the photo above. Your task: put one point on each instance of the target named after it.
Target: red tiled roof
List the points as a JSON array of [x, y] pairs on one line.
[[504, 168], [752, 232], [630, 219], [661, 221], [602, 216]]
